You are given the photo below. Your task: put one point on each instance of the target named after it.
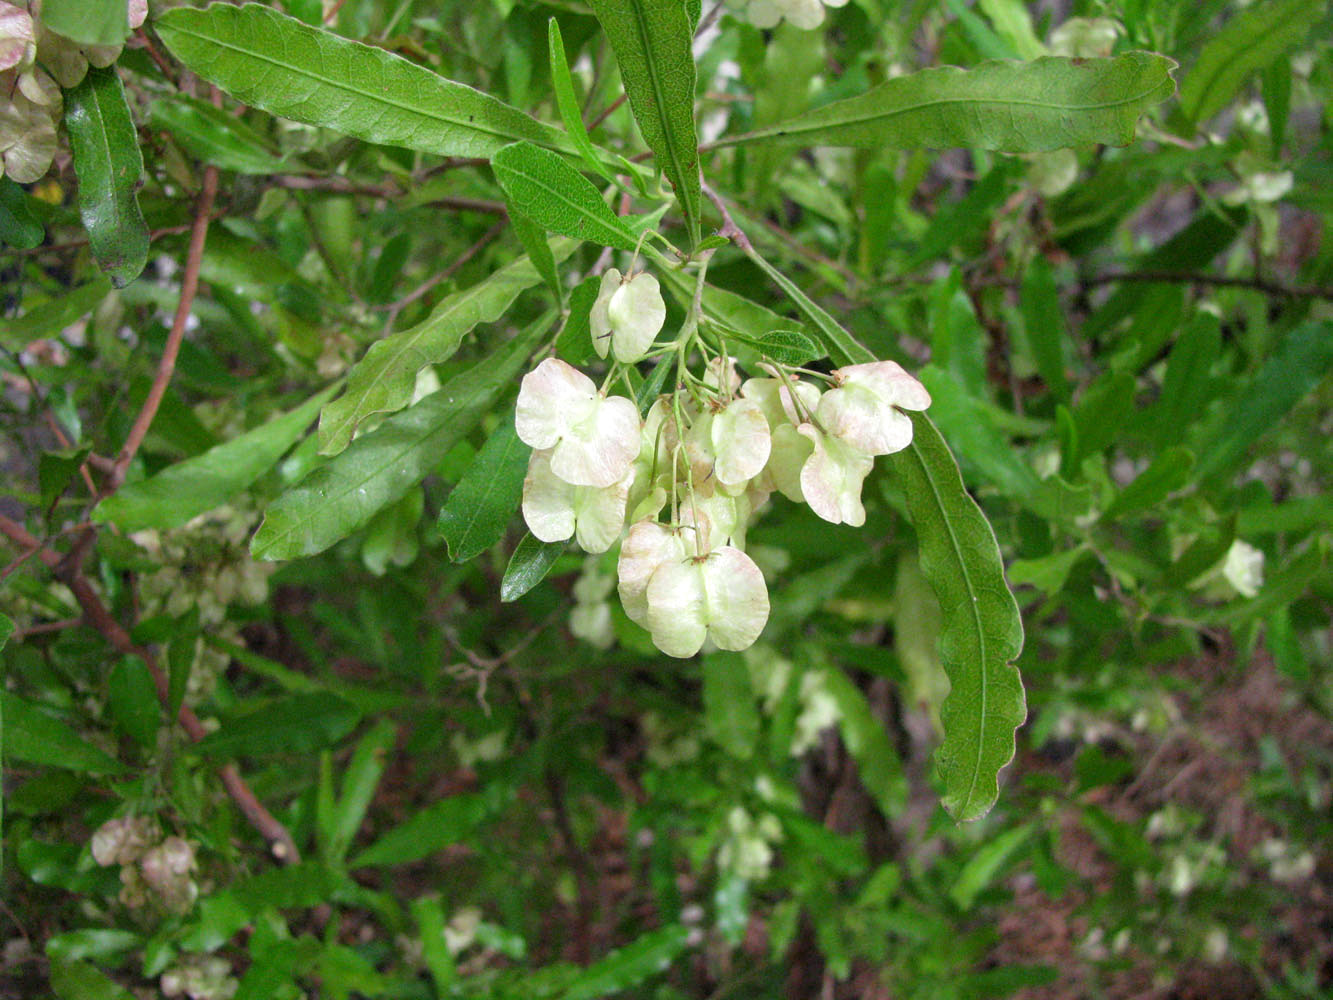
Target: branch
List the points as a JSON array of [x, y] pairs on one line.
[[167, 365], [729, 228], [97, 615]]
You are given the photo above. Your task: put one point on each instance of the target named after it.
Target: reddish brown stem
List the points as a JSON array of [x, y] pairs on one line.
[[96, 614], [167, 365]]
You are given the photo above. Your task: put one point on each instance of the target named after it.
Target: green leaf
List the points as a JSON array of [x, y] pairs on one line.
[[731, 717], [1299, 364], [33, 736], [273, 62], [567, 103], [1249, 42], [18, 227], [82, 981], [986, 863], [110, 171], [1047, 573], [88, 22], [868, 742], [379, 467], [983, 632], [428, 912], [652, 41], [787, 347], [211, 135], [480, 507], [56, 470], [528, 566], [361, 776], [533, 239], [187, 489], [541, 185], [132, 699], [292, 724], [1168, 472], [1044, 324], [1028, 107], [574, 343], [438, 825], [384, 380], [222, 914], [6, 630], [49, 318], [649, 955], [90, 942]]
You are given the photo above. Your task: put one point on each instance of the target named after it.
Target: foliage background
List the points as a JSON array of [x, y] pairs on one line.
[[1129, 362]]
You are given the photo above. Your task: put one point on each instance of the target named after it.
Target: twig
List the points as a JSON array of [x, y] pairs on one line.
[[95, 613], [146, 41], [729, 228], [424, 288], [167, 365], [607, 113], [332, 14]]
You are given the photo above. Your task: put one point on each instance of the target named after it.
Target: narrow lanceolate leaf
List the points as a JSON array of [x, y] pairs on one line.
[[383, 381], [533, 239], [184, 490], [211, 135], [567, 102], [555, 196], [1250, 41], [33, 736], [648, 955], [480, 506], [88, 22], [49, 318], [982, 632], [1018, 107], [379, 468], [652, 41], [528, 566], [110, 171], [270, 61]]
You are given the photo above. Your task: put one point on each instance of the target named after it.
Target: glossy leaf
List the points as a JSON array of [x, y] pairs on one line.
[[33, 736], [187, 489], [541, 185], [378, 468], [528, 566], [88, 22], [982, 630], [1044, 104], [211, 135], [270, 61], [481, 506], [1249, 42], [110, 170], [384, 380], [652, 41]]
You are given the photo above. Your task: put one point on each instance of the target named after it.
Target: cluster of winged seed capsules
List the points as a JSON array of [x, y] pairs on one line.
[[678, 487], [35, 63]]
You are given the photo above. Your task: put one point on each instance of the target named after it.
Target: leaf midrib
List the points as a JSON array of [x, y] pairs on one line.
[[976, 617], [607, 225], [668, 134], [780, 130], [338, 85]]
